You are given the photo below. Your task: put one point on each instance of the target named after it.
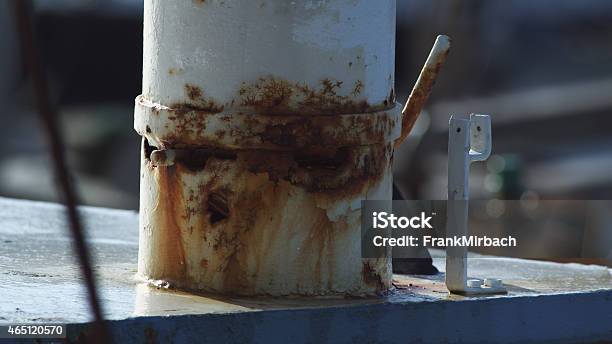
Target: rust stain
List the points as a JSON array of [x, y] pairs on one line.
[[419, 95], [326, 100], [238, 240], [320, 245], [264, 183], [175, 71], [290, 134], [193, 92], [194, 160], [300, 132], [273, 95], [267, 93], [339, 173], [171, 255], [190, 124], [236, 221], [199, 2], [196, 102], [371, 277]]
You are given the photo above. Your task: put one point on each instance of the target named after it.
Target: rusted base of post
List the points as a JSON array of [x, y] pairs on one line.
[[254, 222], [255, 204]]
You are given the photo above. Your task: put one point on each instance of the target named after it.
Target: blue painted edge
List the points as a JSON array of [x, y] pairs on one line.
[[558, 318]]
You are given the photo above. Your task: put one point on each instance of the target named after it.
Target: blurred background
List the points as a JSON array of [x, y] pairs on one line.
[[542, 69]]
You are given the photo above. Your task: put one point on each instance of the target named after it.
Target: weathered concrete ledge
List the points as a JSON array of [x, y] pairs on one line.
[[547, 302]]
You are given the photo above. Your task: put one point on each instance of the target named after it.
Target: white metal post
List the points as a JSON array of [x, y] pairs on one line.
[[264, 125]]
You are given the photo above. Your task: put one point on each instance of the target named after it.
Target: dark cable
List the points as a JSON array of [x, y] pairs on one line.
[[48, 115]]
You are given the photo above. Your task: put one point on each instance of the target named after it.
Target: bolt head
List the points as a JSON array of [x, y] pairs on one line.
[[474, 283], [492, 282]]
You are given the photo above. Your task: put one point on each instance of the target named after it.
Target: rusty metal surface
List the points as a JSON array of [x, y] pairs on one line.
[[264, 125], [272, 95], [230, 202], [167, 127], [234, 222], [424, 84]]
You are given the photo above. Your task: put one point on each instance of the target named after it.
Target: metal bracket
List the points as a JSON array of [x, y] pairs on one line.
[[469, 140]]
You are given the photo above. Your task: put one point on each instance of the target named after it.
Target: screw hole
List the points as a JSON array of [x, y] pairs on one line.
[[458, 130], [478, 128]]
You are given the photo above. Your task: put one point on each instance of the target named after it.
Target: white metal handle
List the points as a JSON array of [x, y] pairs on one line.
[[469, 140]]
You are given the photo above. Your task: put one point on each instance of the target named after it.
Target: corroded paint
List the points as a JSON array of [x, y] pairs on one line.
[[170, 248], [196, 101], [272, 95], [230, 226], [264, 127], [424, 84], [167, 127]]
